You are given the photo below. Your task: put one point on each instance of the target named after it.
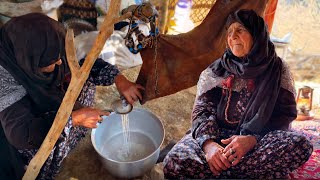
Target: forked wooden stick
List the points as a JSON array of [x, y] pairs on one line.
[[78, 78]]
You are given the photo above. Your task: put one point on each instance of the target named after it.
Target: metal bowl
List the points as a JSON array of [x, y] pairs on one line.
[[107, 141]]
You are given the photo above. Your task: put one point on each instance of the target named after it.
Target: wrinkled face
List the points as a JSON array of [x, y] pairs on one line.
[[239, 39], [50, 68]]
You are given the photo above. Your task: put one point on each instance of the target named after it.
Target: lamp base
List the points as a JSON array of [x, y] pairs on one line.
[[302, 117]]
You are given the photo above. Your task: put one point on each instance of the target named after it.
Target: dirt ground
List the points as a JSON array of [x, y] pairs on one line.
[[175, 110]]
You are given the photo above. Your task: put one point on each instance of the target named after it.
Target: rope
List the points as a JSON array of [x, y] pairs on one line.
[[227, 108]]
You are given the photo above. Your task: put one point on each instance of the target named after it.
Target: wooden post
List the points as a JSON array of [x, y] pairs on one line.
[[78, 78], [163, 17]]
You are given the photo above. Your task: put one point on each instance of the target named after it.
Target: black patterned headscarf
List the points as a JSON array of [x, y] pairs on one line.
[[28, 43], [261, 64]]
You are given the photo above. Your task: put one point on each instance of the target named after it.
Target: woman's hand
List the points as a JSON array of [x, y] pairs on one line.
[[216, 159], [237, 147], [128, 89], [87, 117]]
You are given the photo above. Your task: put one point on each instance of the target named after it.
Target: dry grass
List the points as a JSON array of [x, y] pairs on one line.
[[302, 21]]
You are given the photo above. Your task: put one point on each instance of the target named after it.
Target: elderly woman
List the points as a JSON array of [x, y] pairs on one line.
[[244, 105], [34, 77]]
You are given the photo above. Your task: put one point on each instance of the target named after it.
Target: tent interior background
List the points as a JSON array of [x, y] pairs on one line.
[[299, 19]]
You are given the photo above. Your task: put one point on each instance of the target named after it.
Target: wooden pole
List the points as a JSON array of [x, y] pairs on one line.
[[163, 17], [78, 78]]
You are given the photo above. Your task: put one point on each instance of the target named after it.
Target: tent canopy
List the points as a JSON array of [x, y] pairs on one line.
[[176, 61]]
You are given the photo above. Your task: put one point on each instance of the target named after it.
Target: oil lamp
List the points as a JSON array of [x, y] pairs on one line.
[[304, 103]]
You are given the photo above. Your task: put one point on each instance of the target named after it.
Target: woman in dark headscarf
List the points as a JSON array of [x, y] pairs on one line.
[[244, 105], [34, 77]]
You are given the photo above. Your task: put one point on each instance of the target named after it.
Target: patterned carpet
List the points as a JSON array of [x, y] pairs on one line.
[[311, 169]]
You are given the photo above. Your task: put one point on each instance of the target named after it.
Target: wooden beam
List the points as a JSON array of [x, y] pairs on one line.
[[163, 17]]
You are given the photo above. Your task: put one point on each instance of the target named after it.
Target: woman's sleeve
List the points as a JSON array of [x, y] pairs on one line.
[[285, 110], [22, 128], [283, 114], [204, 117], [102, 73]]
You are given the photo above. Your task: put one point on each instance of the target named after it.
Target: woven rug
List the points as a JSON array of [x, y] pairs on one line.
[[311, 169]]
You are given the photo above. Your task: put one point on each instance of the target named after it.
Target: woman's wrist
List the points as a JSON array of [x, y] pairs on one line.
[[74, 119], [208, 145], [119, 78], [253, 139], [249, 133]]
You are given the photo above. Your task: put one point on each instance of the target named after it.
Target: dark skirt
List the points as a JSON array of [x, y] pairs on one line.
[[67, 141]]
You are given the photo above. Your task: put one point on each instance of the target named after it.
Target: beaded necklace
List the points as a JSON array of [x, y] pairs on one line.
[[227, 89]]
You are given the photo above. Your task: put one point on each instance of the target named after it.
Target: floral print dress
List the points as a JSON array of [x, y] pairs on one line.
[[277, 152]]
